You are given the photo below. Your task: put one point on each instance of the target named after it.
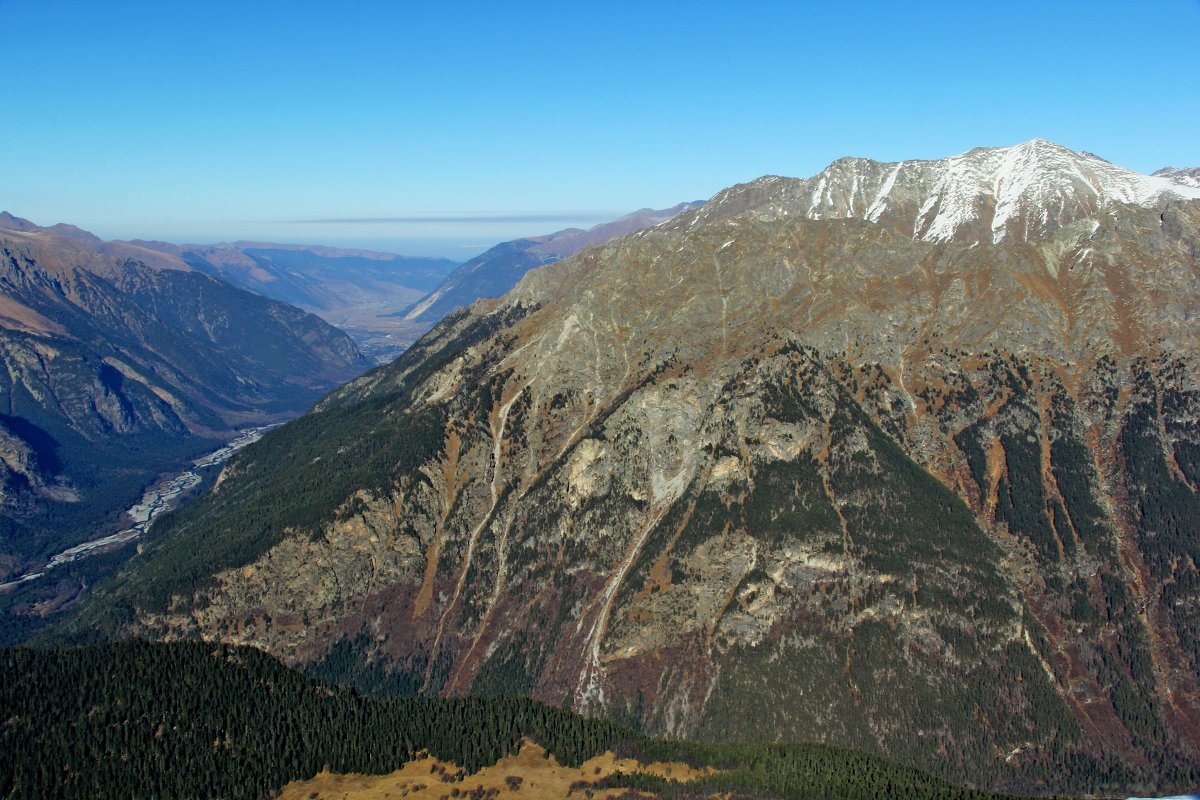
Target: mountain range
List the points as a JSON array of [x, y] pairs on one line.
[[1014, 194], [901, 457], [122, 362], [355, 290], [386, 301]]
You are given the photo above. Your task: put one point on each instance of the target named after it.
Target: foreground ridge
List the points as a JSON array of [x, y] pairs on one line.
[[187, 719]]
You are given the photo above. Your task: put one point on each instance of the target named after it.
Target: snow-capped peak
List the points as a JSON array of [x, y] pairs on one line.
[[1005, 193], [1017, 193], [1188, 177]]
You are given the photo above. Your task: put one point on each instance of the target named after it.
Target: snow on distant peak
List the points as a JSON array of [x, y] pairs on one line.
[[1019, 193], [1188, 177], [1011, 193]]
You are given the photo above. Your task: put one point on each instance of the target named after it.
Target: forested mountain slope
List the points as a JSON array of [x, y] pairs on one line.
[[135, 719], [121, 362], [764, 474]]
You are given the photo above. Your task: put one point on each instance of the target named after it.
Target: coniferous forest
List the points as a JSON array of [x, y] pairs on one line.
[[138, 719]]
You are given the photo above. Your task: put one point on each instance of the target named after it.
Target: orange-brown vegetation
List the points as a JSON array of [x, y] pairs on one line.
[[531, 774]]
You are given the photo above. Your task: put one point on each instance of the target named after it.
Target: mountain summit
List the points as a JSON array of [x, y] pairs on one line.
[[995, 194], [1188, 176], [902, 457]]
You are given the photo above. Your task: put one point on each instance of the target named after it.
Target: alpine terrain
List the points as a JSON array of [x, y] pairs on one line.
[[899, 457], [122, 363], [1187, 176], [359, 291], [494, 272]]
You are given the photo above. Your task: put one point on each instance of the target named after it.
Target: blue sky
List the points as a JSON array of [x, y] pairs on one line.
[[272, 120]]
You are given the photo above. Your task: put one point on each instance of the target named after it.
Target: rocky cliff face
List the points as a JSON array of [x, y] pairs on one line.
[[119, 362], [755, 474]]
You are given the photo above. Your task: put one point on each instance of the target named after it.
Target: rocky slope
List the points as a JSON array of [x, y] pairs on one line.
[[1188, 176], [120, 361], [770, 470], [494, 272]]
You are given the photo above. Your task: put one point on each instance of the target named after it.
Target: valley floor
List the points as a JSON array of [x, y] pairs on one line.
[[376, 330], [163, 496]]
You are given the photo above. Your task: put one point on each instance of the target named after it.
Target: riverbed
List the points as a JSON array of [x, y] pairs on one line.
[[160, 498]]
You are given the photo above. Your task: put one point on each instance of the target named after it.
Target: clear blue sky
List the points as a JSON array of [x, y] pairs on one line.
[[212, 120]]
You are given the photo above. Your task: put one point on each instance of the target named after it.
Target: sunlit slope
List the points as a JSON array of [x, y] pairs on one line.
[[760, 476]]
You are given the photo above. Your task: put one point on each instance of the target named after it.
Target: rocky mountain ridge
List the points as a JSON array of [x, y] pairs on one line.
[[359, 291], [494, 272], [1019, 193], [1188, 176], [121, 360], [755, 474]]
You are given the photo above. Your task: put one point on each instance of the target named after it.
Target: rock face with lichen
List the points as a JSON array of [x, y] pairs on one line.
[[893, 457]]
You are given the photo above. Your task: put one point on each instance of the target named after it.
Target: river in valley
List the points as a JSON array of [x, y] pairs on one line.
[[156, 501]]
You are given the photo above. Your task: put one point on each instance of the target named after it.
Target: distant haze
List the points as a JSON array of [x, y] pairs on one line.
[[458, 240]]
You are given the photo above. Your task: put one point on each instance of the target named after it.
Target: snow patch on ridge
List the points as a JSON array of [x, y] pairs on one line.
[[1017, 192], [880, 205]]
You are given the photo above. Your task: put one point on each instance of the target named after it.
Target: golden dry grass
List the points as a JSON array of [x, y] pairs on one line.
[[16, 316], [542, 778]]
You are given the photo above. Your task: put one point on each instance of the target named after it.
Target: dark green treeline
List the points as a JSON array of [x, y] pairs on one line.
[[136, 719]]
